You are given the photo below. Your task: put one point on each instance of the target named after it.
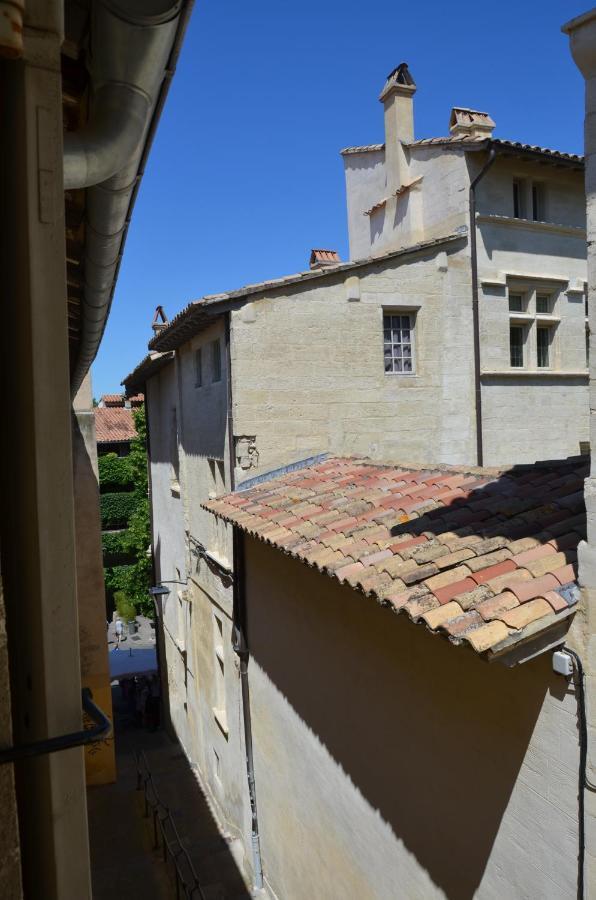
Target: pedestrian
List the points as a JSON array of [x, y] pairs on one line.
[[118, 632]]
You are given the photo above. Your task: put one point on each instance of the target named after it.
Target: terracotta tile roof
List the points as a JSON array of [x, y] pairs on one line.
[[113, 424], [481, 143], [485, 557], [115, 400], [320, 257]]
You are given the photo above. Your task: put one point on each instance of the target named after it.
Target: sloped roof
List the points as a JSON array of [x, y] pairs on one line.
[[114, 424], [189, 320], [482, 143], [485, 557]]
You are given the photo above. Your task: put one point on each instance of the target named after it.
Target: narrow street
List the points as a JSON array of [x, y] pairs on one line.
[[124, 862]]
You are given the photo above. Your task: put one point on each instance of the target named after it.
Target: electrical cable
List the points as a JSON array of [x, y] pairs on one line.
[[578, 671]]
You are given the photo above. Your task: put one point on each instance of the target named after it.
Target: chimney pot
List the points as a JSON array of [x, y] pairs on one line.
[[470, 123], [323, 259], [160, 320]]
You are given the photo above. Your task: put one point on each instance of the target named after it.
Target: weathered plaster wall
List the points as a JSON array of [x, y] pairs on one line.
[[435, 207], [389, 763], [202, 673]]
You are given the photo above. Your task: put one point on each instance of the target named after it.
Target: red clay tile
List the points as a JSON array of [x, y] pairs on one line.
[[502, 568], [556, 601], [405, 545], [458, 627], [565, 574], [447, 593], [535, 553], [493, 607], [536, 587]]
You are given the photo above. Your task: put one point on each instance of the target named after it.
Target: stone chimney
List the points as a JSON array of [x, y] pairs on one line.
[[470, 123], [160, 320], [397, 98], [323, 259]]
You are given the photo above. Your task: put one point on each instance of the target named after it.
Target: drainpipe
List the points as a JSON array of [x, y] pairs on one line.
[[230, 411], [132, 56], [475, 311], [241, 649]]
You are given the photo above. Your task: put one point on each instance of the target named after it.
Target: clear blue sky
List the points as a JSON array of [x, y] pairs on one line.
[[245, 175]]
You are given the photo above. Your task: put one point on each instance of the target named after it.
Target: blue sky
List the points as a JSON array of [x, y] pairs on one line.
[[245, 176]]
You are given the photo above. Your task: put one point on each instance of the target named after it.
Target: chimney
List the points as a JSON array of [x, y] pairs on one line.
[[160, 320], [470, 123], [323, 259], [397, 99]]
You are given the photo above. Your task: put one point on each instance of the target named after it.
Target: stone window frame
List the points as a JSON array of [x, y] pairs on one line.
[[411, 313], [530, 318]]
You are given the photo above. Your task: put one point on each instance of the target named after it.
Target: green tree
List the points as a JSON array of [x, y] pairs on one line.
[[132, 580]]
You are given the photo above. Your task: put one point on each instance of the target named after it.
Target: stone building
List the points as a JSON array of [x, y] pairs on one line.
[[115, 424], [464, 297]]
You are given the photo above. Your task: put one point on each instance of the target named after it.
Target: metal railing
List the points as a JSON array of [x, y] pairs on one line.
[[165, 835]]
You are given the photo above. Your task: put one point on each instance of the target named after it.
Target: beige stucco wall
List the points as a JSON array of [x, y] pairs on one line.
[[392, 764]]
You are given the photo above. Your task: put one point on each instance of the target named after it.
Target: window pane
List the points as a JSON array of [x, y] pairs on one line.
[[516, 346], [542, 345], [397, 343], [515, 303], [542, 303]]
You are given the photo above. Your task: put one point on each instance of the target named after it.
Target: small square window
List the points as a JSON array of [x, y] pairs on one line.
[[516, 303], [516, 346], [542, 304], [215, 361], [198, 367], [398, 343]]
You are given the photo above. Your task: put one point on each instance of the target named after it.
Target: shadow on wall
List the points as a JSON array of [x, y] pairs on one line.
[[432, 736]]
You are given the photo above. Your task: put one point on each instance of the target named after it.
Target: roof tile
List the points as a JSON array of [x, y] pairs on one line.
[[480, 555]]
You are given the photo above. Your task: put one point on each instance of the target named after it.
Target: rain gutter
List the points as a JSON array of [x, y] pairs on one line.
[[132, 58]]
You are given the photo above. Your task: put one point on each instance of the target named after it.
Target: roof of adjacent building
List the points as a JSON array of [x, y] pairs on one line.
[[114, 424], [120, 400], [147, 368], [485, 557], [514, 148], [186, 323]]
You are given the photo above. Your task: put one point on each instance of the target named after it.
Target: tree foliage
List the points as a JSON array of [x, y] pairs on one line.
[[134, 580], [115, 473], [117, 509]]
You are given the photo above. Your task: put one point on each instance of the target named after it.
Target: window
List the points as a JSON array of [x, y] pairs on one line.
[[542, 347], [219, 710], [198, 367], [215, 361], [518, 199], [398, 343], [516, 346], [516, 303], [542, 304], [174, 454], [538, 201]]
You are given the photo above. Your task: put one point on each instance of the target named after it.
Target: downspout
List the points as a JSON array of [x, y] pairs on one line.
[[132, 56], [475, 309], [240, 646], [239, 641], [228, 318]]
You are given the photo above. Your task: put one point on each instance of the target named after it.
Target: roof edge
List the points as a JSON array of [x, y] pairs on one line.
[[170, 338]]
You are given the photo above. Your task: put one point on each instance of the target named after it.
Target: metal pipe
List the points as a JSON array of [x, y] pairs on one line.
[[230, 410], [475, 310], [241, 648], [132, 59], [100, 731]]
